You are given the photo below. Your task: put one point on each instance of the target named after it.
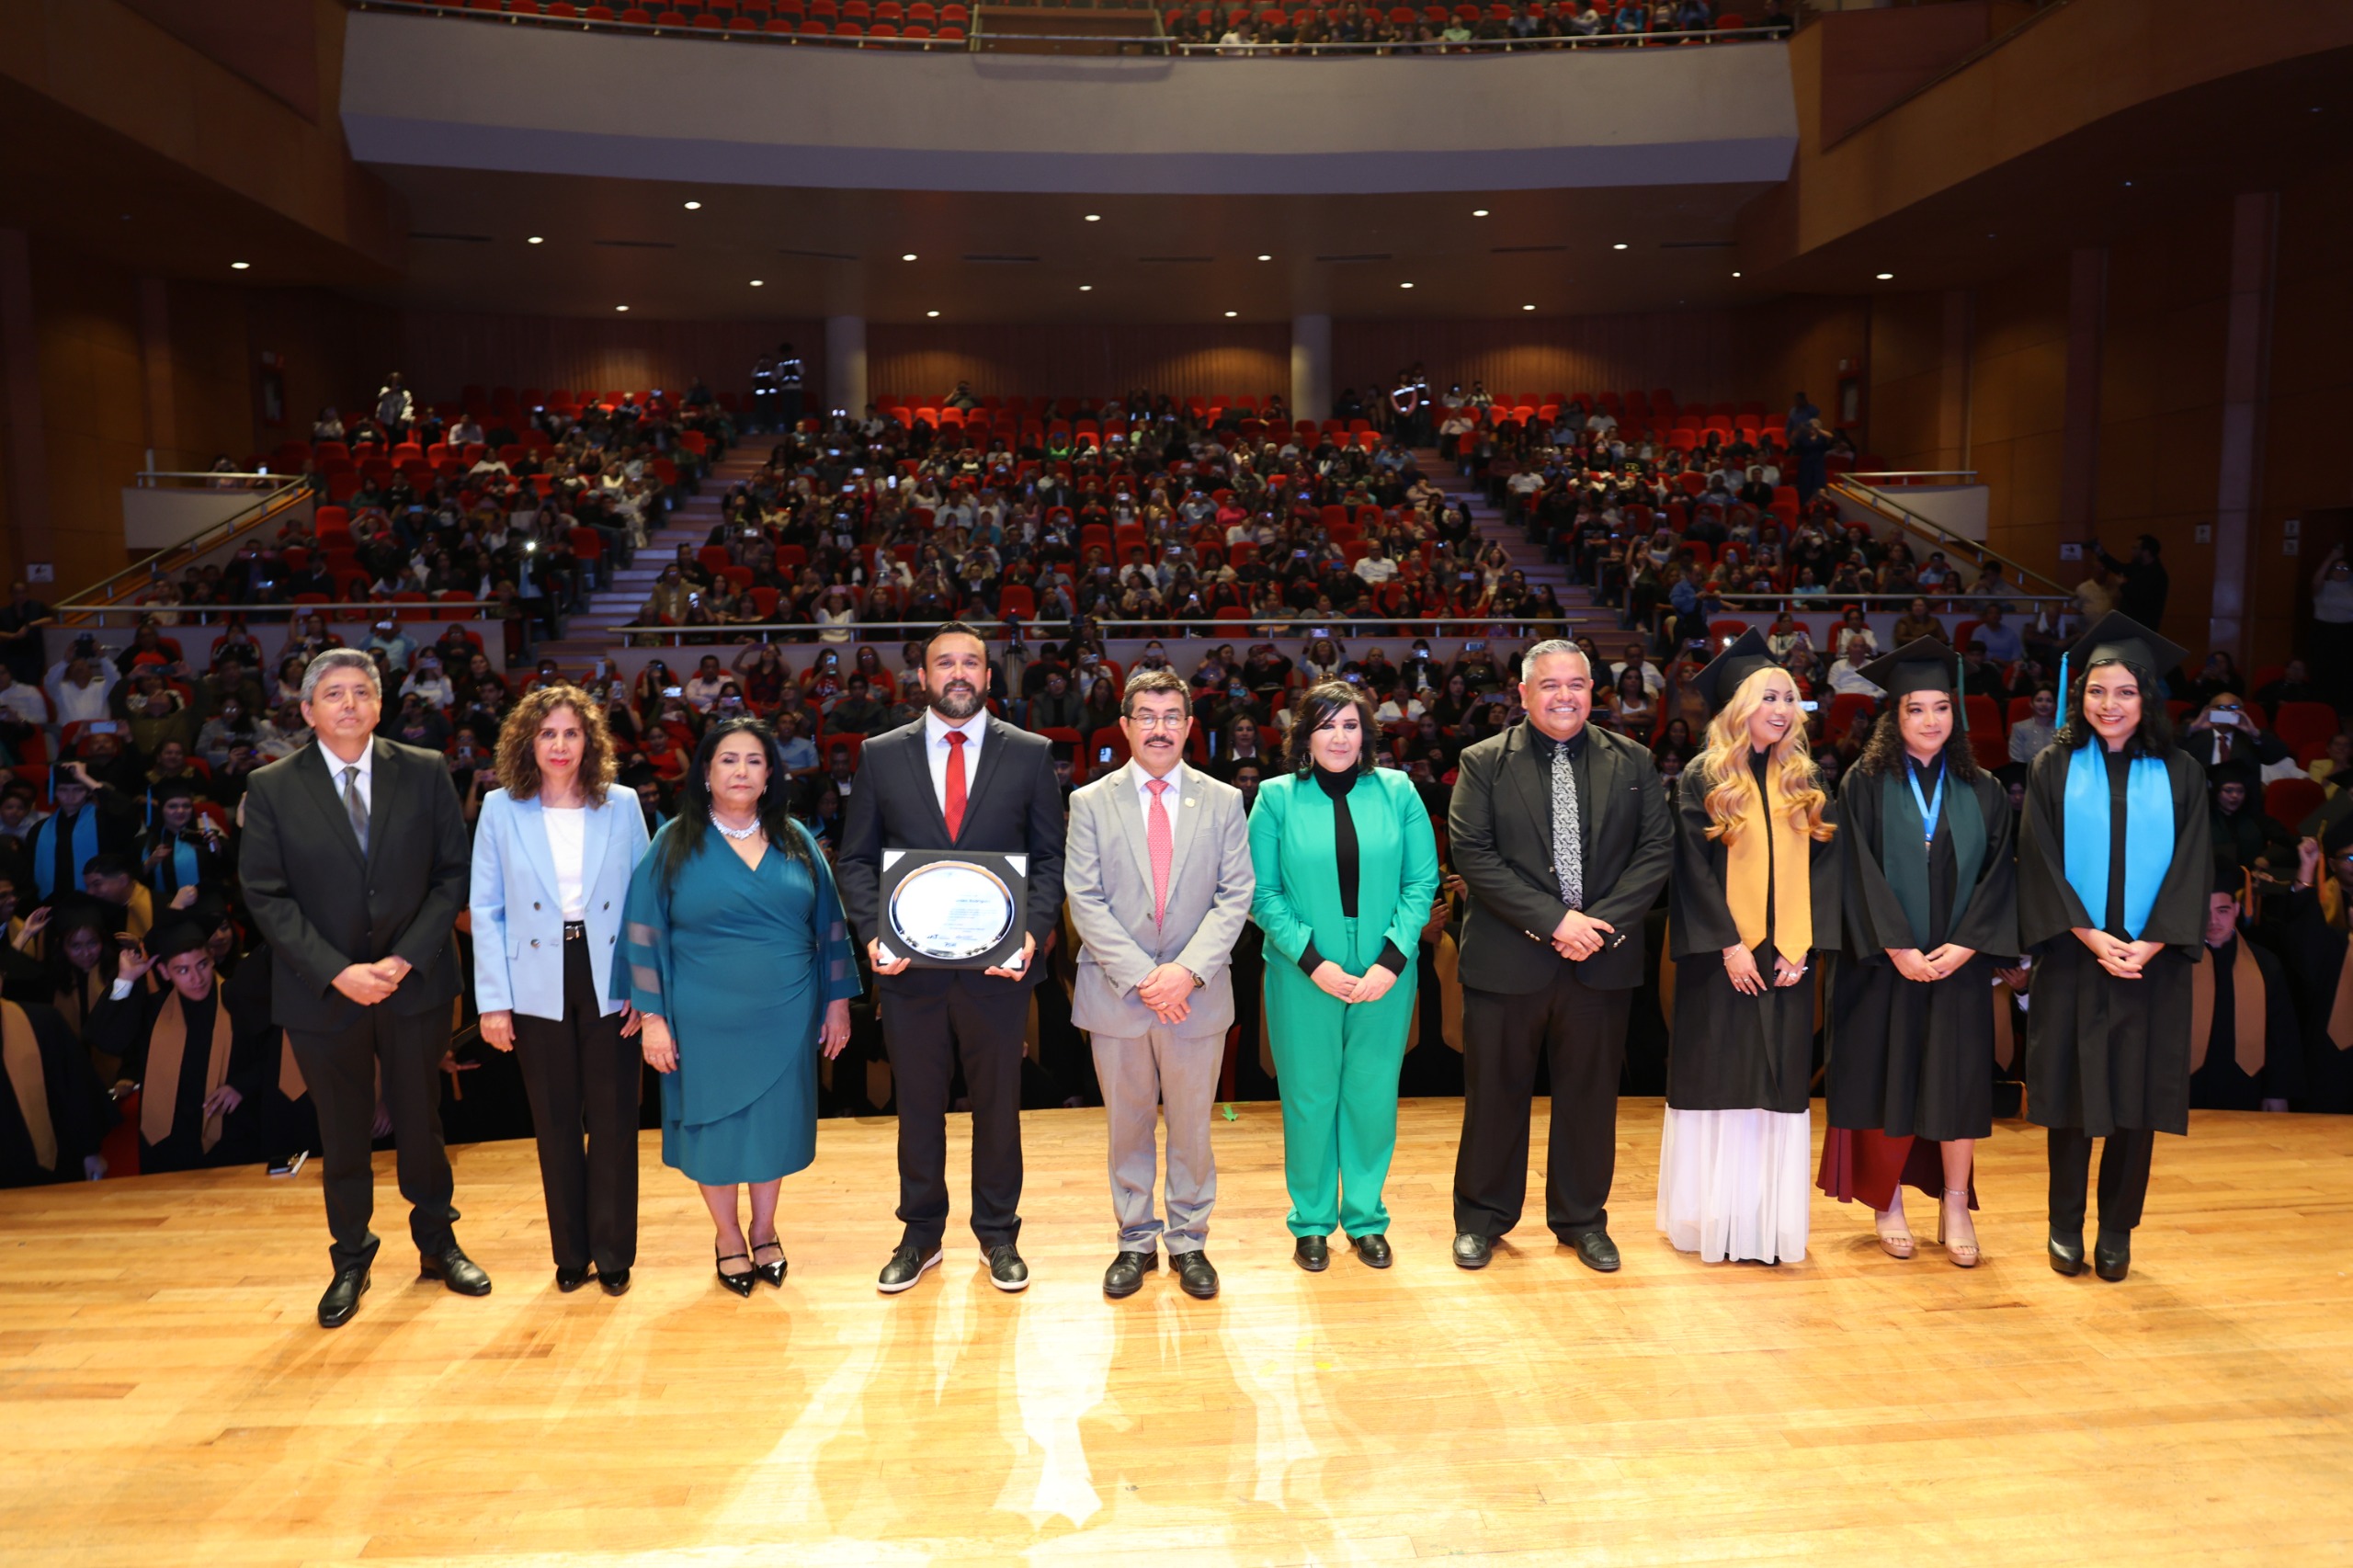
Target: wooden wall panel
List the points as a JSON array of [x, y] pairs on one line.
[[1797, 345], [332, 351], [923, 362], [443, 351], [2018, 404], [1690, 353], [93, 407], [2304, 468]]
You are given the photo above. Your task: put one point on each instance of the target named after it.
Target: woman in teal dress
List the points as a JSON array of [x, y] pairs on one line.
[[735, 952], [1347, 864]]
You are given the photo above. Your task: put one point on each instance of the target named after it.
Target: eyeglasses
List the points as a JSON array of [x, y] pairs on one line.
[[1156, 721]]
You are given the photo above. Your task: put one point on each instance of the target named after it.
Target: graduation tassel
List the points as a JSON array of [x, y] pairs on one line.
[[1960, 689], [2062, 691]]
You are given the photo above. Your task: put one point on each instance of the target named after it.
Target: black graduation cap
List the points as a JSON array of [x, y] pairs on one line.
[[2240, 772], [1722, 676], [1925, 664], [2119, 636]]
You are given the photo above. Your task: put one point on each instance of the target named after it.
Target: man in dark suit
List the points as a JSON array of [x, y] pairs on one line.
[[355, 868], [1561, 832], [920, 787]]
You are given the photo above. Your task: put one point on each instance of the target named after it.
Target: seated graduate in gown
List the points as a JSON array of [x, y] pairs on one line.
[[1753, 891], [54, 1114], [1930, 906], [2309, 924], [196, 1060], [2247, 1047], [2115, 864]]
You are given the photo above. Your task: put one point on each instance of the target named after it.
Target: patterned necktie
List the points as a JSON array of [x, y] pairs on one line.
[[1163, 845], [955, 809], [353, 804], [1568, 838]]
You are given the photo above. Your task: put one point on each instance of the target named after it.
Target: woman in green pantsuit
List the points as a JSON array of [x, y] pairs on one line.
[[1347, 865]]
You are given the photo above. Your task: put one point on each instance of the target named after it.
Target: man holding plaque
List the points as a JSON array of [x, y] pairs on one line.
[[956, 781], [1160, 883]]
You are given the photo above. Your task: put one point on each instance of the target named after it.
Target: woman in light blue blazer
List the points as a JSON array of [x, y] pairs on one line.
[[552, 858]]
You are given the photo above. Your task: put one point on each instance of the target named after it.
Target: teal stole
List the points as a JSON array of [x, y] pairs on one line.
[[2149, 831], [85, 844], [1903, 849]]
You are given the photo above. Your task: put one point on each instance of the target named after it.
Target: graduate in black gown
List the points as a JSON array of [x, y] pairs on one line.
[[1931, 911], [2308, 922], [53, 1114], [1753, 893], [2247, 1049], [2115, 862], [196, 1060]]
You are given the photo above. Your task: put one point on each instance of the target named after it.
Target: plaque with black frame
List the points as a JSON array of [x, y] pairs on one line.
[[954, 908]]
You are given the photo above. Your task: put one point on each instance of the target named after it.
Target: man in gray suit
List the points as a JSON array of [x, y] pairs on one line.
[[1157, 875]]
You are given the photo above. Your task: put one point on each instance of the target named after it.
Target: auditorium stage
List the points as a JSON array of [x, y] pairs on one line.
[[169, 1399]]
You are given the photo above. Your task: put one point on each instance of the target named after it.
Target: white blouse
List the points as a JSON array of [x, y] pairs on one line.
[[568, 842]]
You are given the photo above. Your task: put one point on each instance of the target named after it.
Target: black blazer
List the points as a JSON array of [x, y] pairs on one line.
[[1499, 827], [323, 906], [1013, 807]]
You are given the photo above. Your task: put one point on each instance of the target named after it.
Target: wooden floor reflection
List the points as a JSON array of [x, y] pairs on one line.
[[169, 1399]]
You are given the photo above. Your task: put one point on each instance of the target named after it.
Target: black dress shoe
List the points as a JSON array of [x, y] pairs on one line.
[[771, 1274], [613, 1283], [2067, 1253], [569, 1279], [1598, 1252], [454, 1268], [1196, 1275], [906, 1267], [1007, 1271], [1373, 1249], [1125, 1276], [2112, 1259], [739, 1283], [1311, 1253], [342, 1299], [1473, 1250]]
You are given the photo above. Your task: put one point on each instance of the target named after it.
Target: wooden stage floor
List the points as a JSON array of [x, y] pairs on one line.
[[169, 1399]]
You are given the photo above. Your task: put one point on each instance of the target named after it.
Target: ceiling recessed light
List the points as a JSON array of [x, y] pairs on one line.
[[694, 206], [1528, 307], [907, 255], [535, 240], [1230, 315], [1478, 211], [1095, 216], [1619, 245], [239, 266], [1735, 274], [2128, 184], [755, 283], [931, 313], [621, 307], [1404, 285], [1265, 258], [1883, 276], [1087, 287]]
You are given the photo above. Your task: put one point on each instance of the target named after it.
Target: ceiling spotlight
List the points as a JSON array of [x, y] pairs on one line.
[[931, 313], [1087, 287], [535, 240], [1735, 274], [1230, 315], [1528, 307], [1095, 216], [1478, 211], [2128, 184], [694, 206], [1883, 276], [239, 266], [1265, 258], [907, 255], [1404, 285], [755, 283], [1619, 245], [622, 308]]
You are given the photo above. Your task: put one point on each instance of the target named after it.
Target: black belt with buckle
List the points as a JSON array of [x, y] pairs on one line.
[[575, 930]]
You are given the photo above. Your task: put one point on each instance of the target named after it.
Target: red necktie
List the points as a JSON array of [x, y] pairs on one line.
[[955, 811], [1162, 843]]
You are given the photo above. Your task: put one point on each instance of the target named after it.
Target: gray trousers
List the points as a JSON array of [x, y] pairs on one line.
[[1139, 1078]]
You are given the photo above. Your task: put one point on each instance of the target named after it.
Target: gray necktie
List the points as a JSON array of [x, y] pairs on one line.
[[355, 804], [1568, 838]]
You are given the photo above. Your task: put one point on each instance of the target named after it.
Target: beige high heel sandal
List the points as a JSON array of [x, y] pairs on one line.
[[1896, 1243], [1964, 1255]]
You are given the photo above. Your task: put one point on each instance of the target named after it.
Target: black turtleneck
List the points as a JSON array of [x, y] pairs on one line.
[[1337, 787]]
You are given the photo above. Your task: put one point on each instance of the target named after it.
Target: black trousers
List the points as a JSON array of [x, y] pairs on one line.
[[341, 1070], [579, 1071], [1581, 1033], [2123, 1177], [977, 1023]]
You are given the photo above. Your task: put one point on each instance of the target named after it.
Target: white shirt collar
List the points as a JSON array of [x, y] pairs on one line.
[[336, 765], [1142, 780], [935, 728]]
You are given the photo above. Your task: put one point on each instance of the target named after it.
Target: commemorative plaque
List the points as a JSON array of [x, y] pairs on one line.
[[954, 908]]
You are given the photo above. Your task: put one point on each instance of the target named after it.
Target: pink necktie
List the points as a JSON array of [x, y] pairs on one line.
[[1162, 843]]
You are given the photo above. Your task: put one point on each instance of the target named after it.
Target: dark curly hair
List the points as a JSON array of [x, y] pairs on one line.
[[1883, 752], [2154, 736], [519, 759]]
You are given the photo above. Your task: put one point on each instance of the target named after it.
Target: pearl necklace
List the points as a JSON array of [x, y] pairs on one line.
[[737, 833]]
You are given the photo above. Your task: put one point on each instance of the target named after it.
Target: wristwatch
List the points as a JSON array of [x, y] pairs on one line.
[[1198, 981]]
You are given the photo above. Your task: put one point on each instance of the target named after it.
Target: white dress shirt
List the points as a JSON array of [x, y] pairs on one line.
[[1141, 782], [935, 748], [367, 766], [568, 846]]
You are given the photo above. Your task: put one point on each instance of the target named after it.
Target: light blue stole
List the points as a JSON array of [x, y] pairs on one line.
[[2148, 834], [85, 844]]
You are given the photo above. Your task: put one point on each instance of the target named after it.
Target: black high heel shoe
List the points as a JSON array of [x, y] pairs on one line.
[[771, 1274], [2067, 1256], [739, 1283], [2113, 1258]]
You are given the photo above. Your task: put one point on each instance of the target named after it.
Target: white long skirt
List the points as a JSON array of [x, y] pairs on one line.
[[1732, 1183]]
